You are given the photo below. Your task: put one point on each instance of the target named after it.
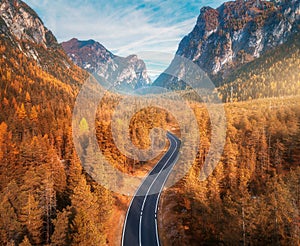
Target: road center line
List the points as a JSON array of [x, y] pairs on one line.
[[157, 200], [126, 217], [145, 198]]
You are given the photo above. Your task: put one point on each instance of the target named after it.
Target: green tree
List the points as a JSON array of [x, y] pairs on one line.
[[83, 126]]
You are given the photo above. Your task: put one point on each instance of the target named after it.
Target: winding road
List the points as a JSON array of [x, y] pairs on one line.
[[140, 225]]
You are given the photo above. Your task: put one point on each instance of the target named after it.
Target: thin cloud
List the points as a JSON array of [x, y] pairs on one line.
[[123, 26]]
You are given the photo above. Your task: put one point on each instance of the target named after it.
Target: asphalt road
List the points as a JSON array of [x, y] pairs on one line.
[[140, 225]]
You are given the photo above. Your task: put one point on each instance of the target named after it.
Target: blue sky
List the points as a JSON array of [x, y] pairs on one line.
[[124, 26]]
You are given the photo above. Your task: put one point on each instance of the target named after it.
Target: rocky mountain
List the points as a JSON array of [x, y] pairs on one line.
[[274, 74], [125, 73], [39, 85], [24, 23], [235, 34], [33, 65], [22, 29], [87, 54]]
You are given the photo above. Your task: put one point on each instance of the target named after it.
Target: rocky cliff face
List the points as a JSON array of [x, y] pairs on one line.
[[126, 73], [24, 23], [22, 29], [88, 55], [238, 32]]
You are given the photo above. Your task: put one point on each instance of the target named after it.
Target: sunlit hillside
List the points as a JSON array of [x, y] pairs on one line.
[[275, 74], [253, 195]]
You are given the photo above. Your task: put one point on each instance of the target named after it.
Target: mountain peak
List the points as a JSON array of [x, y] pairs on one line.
[[76, 43], [95, 58], [24, 24], [238, 32], [132, 58], [23, 31], [208, 19], [234, 34], [87, 54]]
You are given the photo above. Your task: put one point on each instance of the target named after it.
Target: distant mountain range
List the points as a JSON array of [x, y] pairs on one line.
[[22, 29], [235, 34], [125, 73], [226, 43]]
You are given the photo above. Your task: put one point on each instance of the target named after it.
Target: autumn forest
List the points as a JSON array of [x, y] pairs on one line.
[[48, 198]]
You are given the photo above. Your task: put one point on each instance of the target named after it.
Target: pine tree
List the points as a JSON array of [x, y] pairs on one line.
[[230, 162], [10, 228], [61, 229], [83, 126], [21, 112], [3, 133], [86, 225], [75, 172], [33, 115], [25, 242], [86, 231], [27, 97], [31, 216], [9, 168]]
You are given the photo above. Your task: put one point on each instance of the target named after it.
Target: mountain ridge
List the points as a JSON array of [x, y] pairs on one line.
[[234, 34], [127, 73], [22, 30]]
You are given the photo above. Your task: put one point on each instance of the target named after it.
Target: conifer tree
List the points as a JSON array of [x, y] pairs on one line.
[[10, 228], [25, 242], [61, 229], [31, 216], [86, 226]]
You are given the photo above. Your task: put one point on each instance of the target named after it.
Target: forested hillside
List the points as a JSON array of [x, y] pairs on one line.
[[46, 198], [227, 38], [275, 74], [253, 196]]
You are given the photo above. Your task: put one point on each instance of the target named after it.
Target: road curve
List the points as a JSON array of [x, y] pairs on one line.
[[140, 225]]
